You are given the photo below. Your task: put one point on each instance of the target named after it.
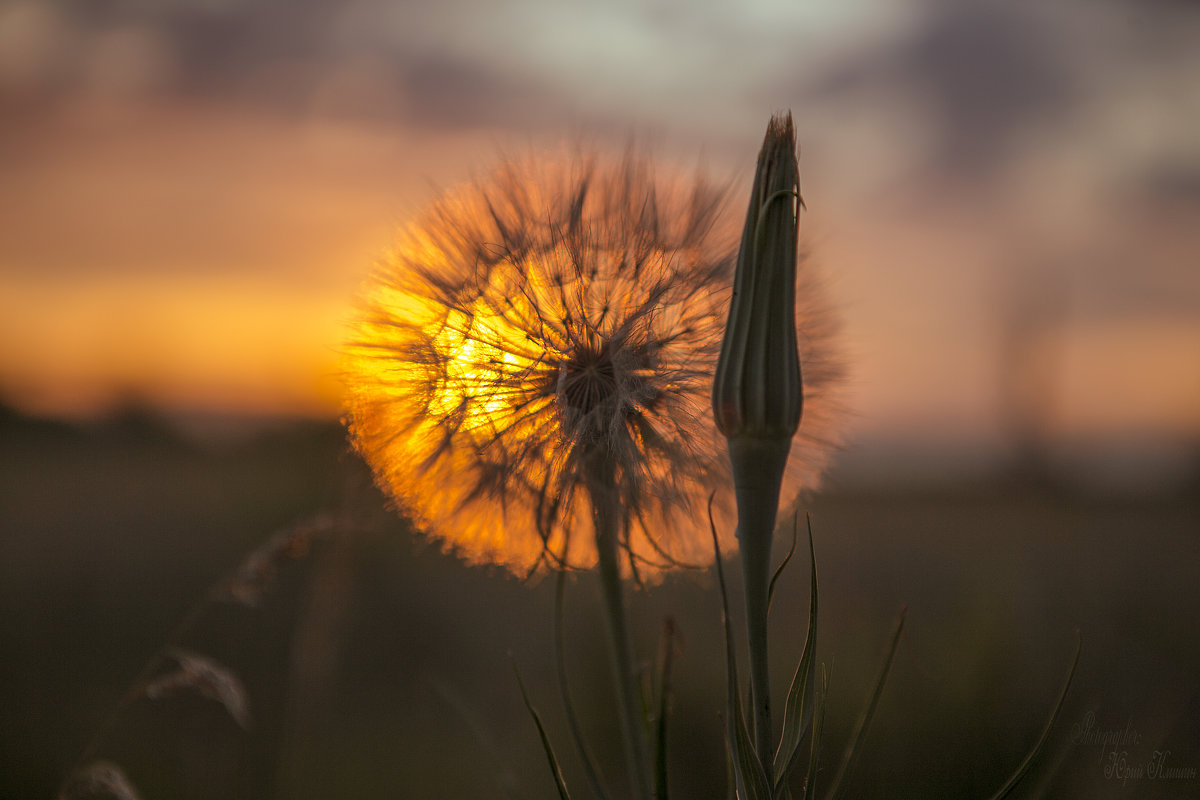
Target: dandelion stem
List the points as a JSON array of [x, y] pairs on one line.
[[758, 472], [629, 704]]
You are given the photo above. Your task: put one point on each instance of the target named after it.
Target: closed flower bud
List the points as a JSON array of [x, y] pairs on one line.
[[757, 393]]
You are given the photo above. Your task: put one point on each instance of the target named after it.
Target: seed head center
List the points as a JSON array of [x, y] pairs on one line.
[[587, 380]]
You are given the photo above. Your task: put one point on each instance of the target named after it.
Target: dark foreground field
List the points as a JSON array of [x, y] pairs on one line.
[[379, 667]]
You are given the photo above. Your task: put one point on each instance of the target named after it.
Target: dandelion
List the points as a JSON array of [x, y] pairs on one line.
[[539, 346], [540, 349], [530, 378]]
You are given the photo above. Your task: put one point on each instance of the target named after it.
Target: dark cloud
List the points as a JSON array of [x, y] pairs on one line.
[[444, 92], [216, 41], [280, 56], [1159, 29], [984, 73], [1173, 186]]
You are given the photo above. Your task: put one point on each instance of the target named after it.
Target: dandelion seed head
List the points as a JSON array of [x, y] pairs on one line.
[[536, 328]]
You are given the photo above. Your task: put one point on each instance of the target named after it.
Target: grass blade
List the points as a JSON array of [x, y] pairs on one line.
[[506, 780], [783, 564], [860, 730], [810, 789], [730, 777], [589, 765], [748, 771], [797, 709], [1022, 770], [559, 783], [751, 779], [664, 692]]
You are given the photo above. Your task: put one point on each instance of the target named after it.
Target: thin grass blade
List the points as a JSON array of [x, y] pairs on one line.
[[850, 757], [559, 782], [506, 780], [591, 773], [797, 710], [810, 789], [664, 693], [1022, 770], [751, 779], [730, 776], [783, 564]]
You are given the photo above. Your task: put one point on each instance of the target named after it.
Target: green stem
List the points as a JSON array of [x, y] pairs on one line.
[[758, 466], [628, 703]]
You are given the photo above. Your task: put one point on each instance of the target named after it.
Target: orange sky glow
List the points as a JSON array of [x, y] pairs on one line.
[[203, 251]]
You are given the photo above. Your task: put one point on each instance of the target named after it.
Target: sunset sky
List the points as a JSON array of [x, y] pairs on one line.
[[1004, 196]]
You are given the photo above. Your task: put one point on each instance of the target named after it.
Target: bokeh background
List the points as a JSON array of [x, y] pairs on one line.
[[1004, 199]]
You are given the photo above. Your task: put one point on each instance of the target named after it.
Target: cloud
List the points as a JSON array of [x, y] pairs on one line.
[[448, 92], [1171, 185], [982, 74]]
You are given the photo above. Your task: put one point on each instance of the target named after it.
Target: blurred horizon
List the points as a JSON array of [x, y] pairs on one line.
[[379, 663], [1002, 197], [1130, 467]]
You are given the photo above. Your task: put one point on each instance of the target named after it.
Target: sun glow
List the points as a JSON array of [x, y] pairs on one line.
[[475, 360]]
